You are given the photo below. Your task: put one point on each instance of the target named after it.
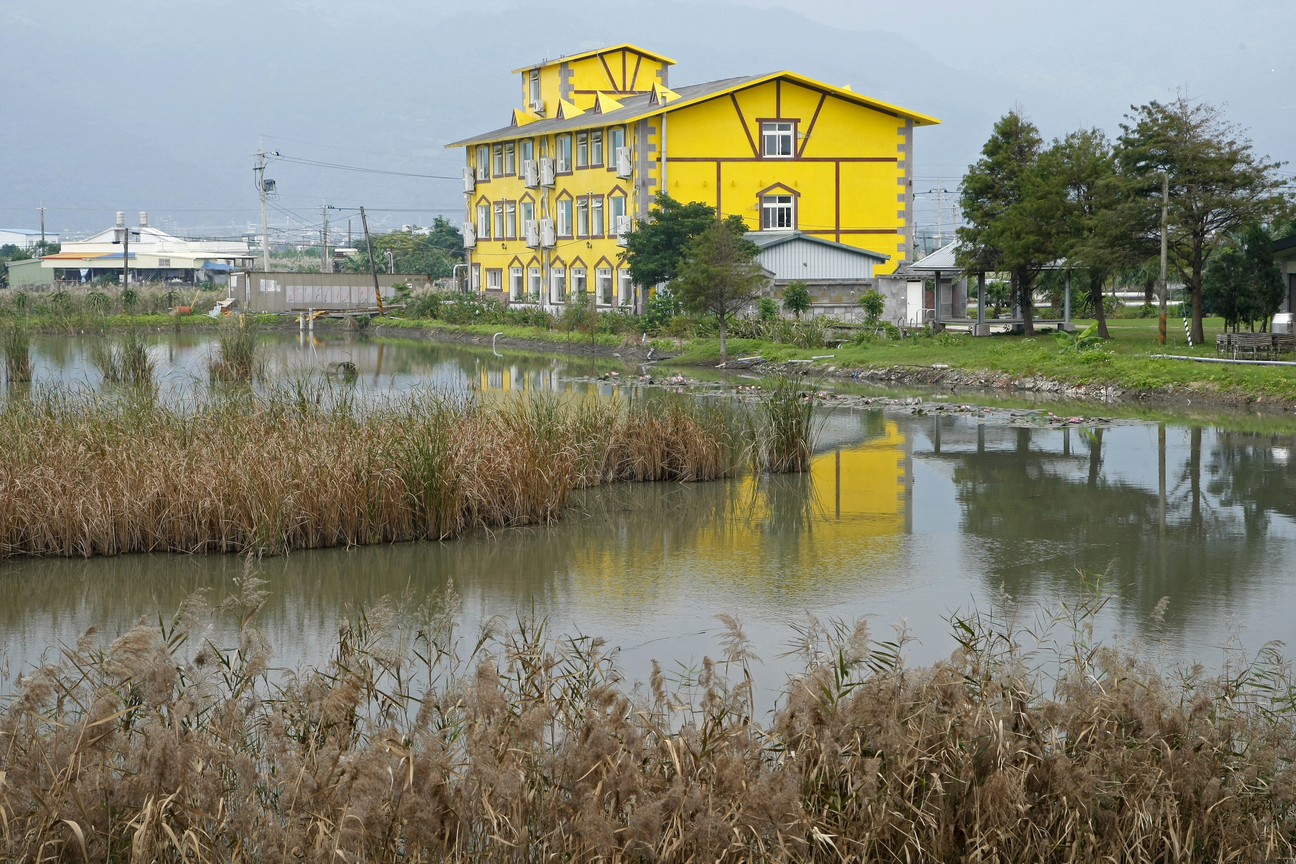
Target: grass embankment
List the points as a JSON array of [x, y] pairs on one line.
[[413, 744], [305, 467], [1120, 361]]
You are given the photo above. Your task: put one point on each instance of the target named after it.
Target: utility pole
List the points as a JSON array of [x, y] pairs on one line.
[[324, 262], [125, 256], [940, 205], [1165, 208], [261, 186], [42, 212], [364, 222]]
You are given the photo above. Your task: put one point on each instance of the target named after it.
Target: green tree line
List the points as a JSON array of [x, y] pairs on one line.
[[1094, 206]]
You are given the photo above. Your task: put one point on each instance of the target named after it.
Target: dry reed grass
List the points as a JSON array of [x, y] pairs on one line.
[[304, 467], [417, 744]]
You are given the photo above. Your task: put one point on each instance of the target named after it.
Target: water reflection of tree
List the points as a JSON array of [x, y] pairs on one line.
[[1252, 472], [1041, 515]]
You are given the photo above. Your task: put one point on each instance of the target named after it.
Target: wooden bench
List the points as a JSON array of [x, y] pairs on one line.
[[1255, 344]]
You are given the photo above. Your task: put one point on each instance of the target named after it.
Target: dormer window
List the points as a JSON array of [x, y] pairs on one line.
[[776, 140]]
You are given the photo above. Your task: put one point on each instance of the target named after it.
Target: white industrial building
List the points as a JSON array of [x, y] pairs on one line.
[[155, 256], [24, 238]]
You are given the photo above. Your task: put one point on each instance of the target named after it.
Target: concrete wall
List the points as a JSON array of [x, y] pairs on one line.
[[299, 292]]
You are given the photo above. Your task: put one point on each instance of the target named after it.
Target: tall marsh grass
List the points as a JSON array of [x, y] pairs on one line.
[[418, 743], [784, 426], [303, 466], [17, 352], [124, 361], [236, 357]]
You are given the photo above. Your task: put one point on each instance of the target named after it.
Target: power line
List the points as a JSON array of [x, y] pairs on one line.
[[357, 150], [317, 164]]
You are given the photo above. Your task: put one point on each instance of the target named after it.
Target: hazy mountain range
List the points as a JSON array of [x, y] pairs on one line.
[[157, 106]]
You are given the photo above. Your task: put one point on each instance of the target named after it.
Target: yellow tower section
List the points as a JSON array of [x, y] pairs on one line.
[[620, 70]]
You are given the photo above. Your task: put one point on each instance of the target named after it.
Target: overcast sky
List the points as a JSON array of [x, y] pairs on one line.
[[157, 104]]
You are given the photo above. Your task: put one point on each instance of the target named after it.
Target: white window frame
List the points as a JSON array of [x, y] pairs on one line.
[[483, 162], [516, 283], [510, 220], [776, 208], [625, 287], [582, 217], [778, 139], [474, 279], [616, 208], [582, 150], [596, 149], [579, 280], [603, 285], [534, 91], [597, 225], [564, 220], [499, 220], [616, 140], [510, 159], [493, 279], [557, 284], [563, 160], [527, 214], [483, 222], [535, 283], [497, 160], [528, 150]]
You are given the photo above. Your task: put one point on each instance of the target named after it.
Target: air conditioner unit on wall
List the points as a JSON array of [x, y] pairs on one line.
[[548, 239], [531, 173], [537, 106], [470, 179], [532, 231], [547, 173], [624, 164], [469, 235]]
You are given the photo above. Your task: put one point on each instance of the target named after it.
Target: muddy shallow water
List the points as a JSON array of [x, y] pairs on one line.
[[936, 510]]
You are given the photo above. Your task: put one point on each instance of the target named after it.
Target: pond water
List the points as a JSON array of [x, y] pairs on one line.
[[932, 514]]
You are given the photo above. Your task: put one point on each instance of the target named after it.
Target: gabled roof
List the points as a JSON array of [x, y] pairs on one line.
[[641, 105], [1285, 248], [770, 239], [624, 46]]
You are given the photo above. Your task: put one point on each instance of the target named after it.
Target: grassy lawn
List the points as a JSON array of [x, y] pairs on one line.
[[539, 334], [1123, 361]]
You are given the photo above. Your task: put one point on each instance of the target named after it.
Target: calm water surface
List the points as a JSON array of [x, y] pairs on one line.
[[932, 514]]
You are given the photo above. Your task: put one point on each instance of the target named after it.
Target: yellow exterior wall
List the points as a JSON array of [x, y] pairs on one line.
[[590, 253], [849, 176]]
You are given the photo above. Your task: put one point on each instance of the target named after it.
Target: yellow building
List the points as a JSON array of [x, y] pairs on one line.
[[549, 197]]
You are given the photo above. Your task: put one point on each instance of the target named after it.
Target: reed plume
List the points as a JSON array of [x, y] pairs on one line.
[[415, 743]]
